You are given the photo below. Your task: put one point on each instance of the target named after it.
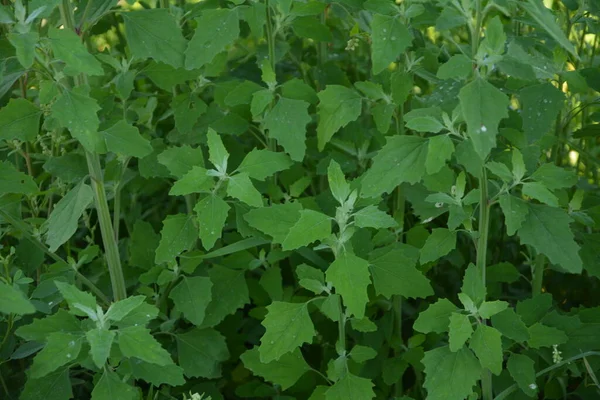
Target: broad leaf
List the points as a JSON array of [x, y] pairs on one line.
[[439, 151], [515, 212], [191, 296], [181, 160], [211, 213], [240, 186], [111, 387], [61, 348], [372, 217], [19, 119], [487, 345], [350, 276], [390, 37], [13, 301], [544, 17], [55, 386], [441, 242], [100, 341], [13, 181], [284, 372], [178, 234], [436, 317], [260, 164], [510, 325], [541, 105], [275, 220], [196, 180], [68, 47], [448, 375], [136, 341], [286, 123], [201, 352], [340, 189], [351, 387], [125, 139], [229, 293], [216, 29], [311, 226], [338, 106], [40, 329], [522, 369], [460, 331]]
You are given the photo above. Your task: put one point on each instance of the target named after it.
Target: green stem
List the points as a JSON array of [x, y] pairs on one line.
[[342, 328], [117, 200], [111, 249], [397, 307], [164, 4], [504, 394], [270, 36], [538, 275], [476, 30]]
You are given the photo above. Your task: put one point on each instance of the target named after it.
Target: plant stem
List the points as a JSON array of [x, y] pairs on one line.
[[538, 275], [270, 36], [164, 4], [111, 249], [342, 328]]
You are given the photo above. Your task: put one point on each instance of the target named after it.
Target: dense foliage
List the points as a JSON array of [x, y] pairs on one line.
[[299, 199]]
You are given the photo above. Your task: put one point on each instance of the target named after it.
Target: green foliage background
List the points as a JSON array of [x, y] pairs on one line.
[[299, 199]]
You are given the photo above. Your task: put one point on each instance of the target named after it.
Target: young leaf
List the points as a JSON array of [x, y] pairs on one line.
[[472, 285], [154, 33], [218, 154], [61, 348], [64, 218], [394, 272], [284, 372], [487, 345], [136, 341], [338, 106], [121, 309], [68, 47], [450, 375], [286, 123], [212, 212], [436, 317], [390, 37], [76, 111], [349, 275], [372, 217], [340, 189], [439, 150], [19, 119], [13, 301], [125, 139], [441, 242], [201, 352], [522, 369], [216, 29], [351, 387], [547, 230], [311, 226], [515, 212], [196, 180], [260, 164], [483, 106], [510, 325], [460, 331], [229, 292], [13, 181], [191, 296], [240, 186], [111, 387], [491, 308], [177, 235], [100, 341], [288, 326], [402, 159], [181, 160]]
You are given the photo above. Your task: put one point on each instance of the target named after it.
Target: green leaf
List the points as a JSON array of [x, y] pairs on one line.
[[154, 33], [545, 336], [68, 47], [187, 108], [458, 66], [75, 297], [140, 316], [211, 213], [191, 296], [510, 325], [500, 170], [439, 151], [372, 90], [361, 354], [340, 189], [541, 105], [390, 37], [64, 219], [545, 18], [13, 181], [424, 120], [472, 284], [538, 191], [217, 153], [441, 242], [554, 177], [180, 160], [515, 212], [487, 345], [275, 220], [157, 374], [196, 180], [100, 341], [201, 352], [311, 226], [402, 159], [240, 186], [311, 28], [121, 309], [24, 44], [61, 348], [436, 318], [125, 139], [136, 341], [76, 111], [490, 308], [13, 301], [55, 386], [111, 387], [522, 369], [350, 276], [382, 115], [311, 278], [372, 217], [178, 234], [142, 245], [338, 106], [394, 272], [351, 387], [260, 164], [19, 119], [535, 308], [460, 331], [288, 326], [284, 372], [216, 29], [229, 292], [40, 329], [547, 230], [286, 123], [448, 375], [483, 106]]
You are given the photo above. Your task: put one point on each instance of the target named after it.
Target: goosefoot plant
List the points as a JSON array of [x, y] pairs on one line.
[[299, 199]]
